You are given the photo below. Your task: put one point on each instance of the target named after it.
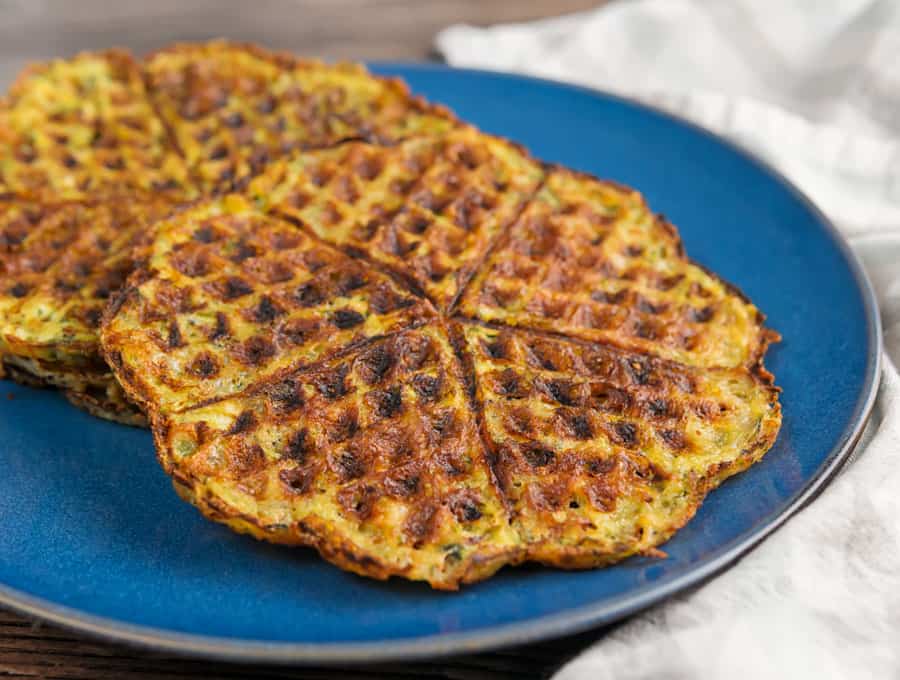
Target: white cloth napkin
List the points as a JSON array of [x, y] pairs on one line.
[[814, 87]]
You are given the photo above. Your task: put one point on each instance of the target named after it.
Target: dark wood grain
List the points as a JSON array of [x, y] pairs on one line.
[[335, 29]]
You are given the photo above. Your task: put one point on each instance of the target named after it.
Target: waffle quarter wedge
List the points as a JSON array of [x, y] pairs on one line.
[[590, 260], [373, 459], [235, 107], [59, 264], [428, 208], [83, 129], [229, 296], [603, 453]]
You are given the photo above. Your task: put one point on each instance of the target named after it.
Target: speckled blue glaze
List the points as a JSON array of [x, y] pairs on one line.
[[93, 535]]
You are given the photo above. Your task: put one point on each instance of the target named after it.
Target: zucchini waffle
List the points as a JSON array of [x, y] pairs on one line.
[[356, 323]]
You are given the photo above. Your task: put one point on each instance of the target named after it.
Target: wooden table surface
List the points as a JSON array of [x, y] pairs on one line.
[[349, 29]]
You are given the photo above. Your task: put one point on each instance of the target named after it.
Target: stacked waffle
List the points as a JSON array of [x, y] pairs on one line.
[[356, 323]]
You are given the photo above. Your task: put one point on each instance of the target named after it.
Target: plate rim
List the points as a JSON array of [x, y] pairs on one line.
[[544, 627]]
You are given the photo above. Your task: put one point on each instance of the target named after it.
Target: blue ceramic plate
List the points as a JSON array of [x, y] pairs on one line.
[[92, 535]]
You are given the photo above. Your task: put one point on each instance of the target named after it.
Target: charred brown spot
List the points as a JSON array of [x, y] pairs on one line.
[[701, 315], [601, 467], [66, 286], [538, 457], [358, 500], [509, 385], [93, 316], [402, 484], [220, 329], [344, 427], [348, 465], [444, 425], [657, 408], [428, 387], [496, 349], [414, 352], [543, 358], [647, 307], [19, 290], [256, 350], [308, 295], [624, 434], [266, 311], [384, 301], [669, 282], [235, 287], [245, 458], [297, 480], [645, 329], [218, 153], [286, 396], [297, 446], [349, 281], [368, 168], [205, 235], [520, 421], [608, 298], [192, 264], [420, 524], [708, 410], [347, 318], [331, 384], [266, 104], [297, 332], [243, 251], [387, 402], [174, 339], [375, 364], [233, 120], [345, 190], [640, 371], [416, 224], [561, 391], [204, 366], [602, 494], [673, 439], [466, 508], [577, 424], [609, 398], [244, 422]]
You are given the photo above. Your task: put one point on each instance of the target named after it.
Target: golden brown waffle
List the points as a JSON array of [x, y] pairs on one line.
[[230, 296], [581, 388], [83, 129], [603, 453], [59, 264], [233, 107], [374, 459], [428, 208], [590, 260]]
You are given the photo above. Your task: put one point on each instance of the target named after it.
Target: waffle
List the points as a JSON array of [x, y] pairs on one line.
[[229, 296], [603, 453], [233, 108], [356, 323], [588, 259], [59, 264], [82, 129], [427, 209], [373, 459]]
